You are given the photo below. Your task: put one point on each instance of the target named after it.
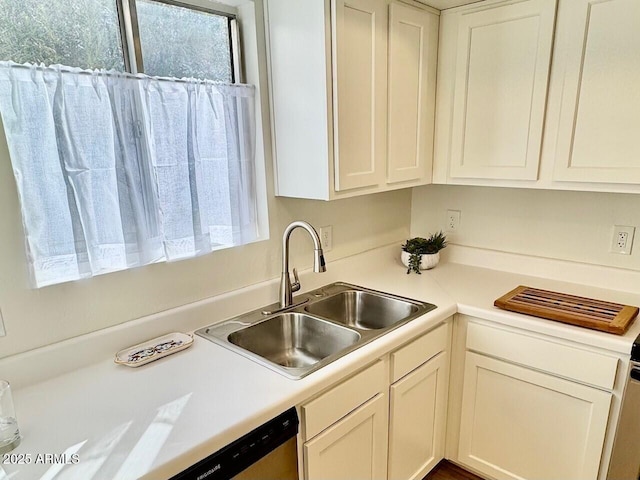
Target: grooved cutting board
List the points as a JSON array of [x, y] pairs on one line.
[[583, 312]]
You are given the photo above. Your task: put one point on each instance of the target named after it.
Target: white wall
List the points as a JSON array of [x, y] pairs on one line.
[[39, 317], [556, 224]]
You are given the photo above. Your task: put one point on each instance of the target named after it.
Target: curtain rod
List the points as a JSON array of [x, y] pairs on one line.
[[115, 73]]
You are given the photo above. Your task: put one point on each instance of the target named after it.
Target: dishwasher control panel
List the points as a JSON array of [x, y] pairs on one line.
[[244, 452]]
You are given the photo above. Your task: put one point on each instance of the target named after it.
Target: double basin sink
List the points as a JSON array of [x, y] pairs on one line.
[[324, 325]]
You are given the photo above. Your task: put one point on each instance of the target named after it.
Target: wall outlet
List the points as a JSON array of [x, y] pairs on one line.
[[622, 239], [326, 237], [453, 220]]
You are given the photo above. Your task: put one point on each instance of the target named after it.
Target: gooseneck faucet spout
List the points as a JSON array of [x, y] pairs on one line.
[[286, 287]]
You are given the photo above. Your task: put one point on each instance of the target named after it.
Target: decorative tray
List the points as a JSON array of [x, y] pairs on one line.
[[154, 349], [583, 312]]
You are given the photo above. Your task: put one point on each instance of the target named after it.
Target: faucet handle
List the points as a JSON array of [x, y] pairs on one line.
[[295, 286]]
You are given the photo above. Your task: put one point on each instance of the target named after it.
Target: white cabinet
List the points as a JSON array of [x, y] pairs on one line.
[[355, 447], [506, 116], [494, 76], [365, 428], [417, 420], [533, 407], [599, 71], [518, 423], [418, 404], [345, 429], [334, 404], [352, 85], [413, 48], [360, 70]]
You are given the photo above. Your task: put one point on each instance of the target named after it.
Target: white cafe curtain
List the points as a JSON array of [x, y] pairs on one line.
[[116, 171]]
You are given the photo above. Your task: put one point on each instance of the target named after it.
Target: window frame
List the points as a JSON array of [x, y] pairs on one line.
[[130, 33]]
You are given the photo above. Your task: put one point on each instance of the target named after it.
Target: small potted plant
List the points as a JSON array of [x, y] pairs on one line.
[[423, 253]]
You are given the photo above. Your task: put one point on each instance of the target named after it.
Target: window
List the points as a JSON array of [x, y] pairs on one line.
[[78, 33], [117, 170], [166, 38], [181, 42]]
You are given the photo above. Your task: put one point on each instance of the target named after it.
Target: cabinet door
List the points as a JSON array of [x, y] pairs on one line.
[[600, 108], [360, 92], [522, 424], [353, 448], [413, 49], [501, 77], [417, 423]]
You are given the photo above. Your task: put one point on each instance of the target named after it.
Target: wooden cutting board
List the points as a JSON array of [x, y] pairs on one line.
[[583, 312]]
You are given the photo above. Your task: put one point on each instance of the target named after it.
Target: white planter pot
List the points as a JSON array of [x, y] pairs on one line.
[[427, 262]]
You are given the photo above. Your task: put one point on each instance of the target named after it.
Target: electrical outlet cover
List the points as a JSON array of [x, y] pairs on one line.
[[622, 239], [326, 238], [453, 220]]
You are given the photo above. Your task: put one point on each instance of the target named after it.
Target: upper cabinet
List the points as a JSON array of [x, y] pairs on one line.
[[528, 98], [530, 93], [493, 81], [598, 48], [352, 95], [413, 49], [359, 47]]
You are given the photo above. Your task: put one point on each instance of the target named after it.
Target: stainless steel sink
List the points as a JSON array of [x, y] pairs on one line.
[[364, 310], [294, 340], [322, 326]]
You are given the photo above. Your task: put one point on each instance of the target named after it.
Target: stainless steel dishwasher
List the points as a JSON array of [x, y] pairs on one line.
[[267, 453], [625, 459]]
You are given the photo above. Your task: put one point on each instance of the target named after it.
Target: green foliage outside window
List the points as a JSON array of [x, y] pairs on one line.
[[175, 41], [77, 33], [180, 42]]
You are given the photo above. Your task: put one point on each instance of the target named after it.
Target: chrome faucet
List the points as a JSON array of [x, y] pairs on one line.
[[286, 287]]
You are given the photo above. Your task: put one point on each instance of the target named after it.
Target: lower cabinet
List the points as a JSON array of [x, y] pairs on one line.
[[353, 448], [521, 406], [418, 408], [387, 421], [521, 423]]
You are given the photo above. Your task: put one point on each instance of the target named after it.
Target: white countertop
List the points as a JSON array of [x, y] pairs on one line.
[[156, 420], [475, 290]]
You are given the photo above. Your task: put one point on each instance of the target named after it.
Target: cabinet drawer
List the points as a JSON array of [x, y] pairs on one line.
[[331, 406], [419, 351], [353, 448], [570, 362]]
